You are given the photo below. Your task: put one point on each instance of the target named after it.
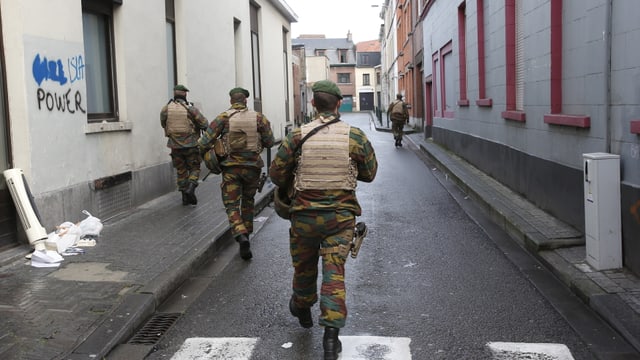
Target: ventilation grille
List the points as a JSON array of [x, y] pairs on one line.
[[114, 200], [154, 329]]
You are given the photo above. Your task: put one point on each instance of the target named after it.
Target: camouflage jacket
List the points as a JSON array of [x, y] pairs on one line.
[[284, 164], [220, 126], [188, 140]]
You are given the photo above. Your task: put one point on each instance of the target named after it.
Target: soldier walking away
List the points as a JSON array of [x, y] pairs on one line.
[[321, 163], [399, 116], [240, 134], [182, 123]]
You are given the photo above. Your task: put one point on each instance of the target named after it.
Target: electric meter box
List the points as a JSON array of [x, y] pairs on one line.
[[603, 236]]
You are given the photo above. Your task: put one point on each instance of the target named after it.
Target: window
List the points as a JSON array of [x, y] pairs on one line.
[[445, 80], [462, 55], [365, 59], [366, 79], [377, 78], [320, 52], [343, 55], [255, 59], [482, 92], [557, 117], [513, 59], [448, 83], [172, 77], [435, 63], [97, 30], [344, 78], [237, 50], [285, 64]]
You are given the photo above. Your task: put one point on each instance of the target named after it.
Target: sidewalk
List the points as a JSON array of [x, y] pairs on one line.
[[613, 294], [96, 300]]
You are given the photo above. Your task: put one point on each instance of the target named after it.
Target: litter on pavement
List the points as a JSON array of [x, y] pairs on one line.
[[67, 240]]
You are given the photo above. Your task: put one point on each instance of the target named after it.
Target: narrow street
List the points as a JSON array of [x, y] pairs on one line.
[[428, 284]]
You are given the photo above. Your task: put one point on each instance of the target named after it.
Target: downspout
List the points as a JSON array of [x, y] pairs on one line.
[[607, 73]]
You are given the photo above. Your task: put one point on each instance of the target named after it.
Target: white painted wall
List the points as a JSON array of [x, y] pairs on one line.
[[60, 151]]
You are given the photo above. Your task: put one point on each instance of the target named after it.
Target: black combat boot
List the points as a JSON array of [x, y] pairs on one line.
[[185, 198], [331, 344], [191, 193], [303, 314], [245, 247]]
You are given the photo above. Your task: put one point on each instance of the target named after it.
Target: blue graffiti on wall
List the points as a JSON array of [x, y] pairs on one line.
[[48, 70], [76, 68], [53, 70]]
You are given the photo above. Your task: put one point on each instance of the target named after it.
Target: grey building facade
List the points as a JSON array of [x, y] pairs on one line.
[[522, 89]]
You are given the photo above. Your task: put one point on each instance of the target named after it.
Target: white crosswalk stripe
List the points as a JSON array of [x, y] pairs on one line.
[[361, 347], [515, 351], [375, 347], [216, 348]]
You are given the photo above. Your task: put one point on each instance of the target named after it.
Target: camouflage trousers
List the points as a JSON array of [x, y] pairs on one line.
[[186, 161], [397, 127], [309, 231], [239, 186]]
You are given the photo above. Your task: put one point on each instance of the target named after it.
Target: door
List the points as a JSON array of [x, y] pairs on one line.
[[366, 101], [428, 108], [347, 104], [8, 224]]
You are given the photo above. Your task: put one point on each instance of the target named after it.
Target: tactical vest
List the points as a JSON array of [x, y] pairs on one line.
[[324, 162], [397, 108], [178, 122], [243, 131]]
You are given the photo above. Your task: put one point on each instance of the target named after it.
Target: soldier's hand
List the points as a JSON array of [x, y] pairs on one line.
[[202, 149]]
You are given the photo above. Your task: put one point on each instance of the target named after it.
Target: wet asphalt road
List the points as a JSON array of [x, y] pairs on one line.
[[426, 272]]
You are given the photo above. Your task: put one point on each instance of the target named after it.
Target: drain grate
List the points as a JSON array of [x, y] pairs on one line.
[[154, 329]]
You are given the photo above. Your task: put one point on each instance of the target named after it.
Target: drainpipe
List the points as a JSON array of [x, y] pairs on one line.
[[607, 73]]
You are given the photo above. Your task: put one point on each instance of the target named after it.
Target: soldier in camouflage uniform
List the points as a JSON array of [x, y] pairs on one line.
[[324, 173], [399, 114], [244, 134], [182, 123]]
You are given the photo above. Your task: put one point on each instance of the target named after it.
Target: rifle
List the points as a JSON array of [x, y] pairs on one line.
[[359, 234], [261, 181]]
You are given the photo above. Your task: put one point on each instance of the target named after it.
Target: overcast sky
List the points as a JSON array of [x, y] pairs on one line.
[[335, 18]]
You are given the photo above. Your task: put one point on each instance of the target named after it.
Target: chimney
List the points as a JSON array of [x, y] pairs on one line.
[[349, 36]]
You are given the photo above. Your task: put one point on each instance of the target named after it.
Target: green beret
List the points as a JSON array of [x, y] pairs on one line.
[[328, 87], [239, 90], [180, 88]]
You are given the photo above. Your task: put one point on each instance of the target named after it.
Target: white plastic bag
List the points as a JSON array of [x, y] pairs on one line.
[[66, 235], [91, 226]]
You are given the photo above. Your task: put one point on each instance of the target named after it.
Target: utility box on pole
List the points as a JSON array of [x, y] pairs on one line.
[[602, 217]]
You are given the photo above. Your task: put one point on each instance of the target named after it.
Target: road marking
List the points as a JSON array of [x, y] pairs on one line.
[[375, 347], [515, 351], [361, 347], [216, 348], [353, 348]]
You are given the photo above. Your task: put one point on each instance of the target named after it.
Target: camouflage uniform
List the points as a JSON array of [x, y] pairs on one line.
[[240, 170], [322, 218], [399, 115], [185, 156]]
